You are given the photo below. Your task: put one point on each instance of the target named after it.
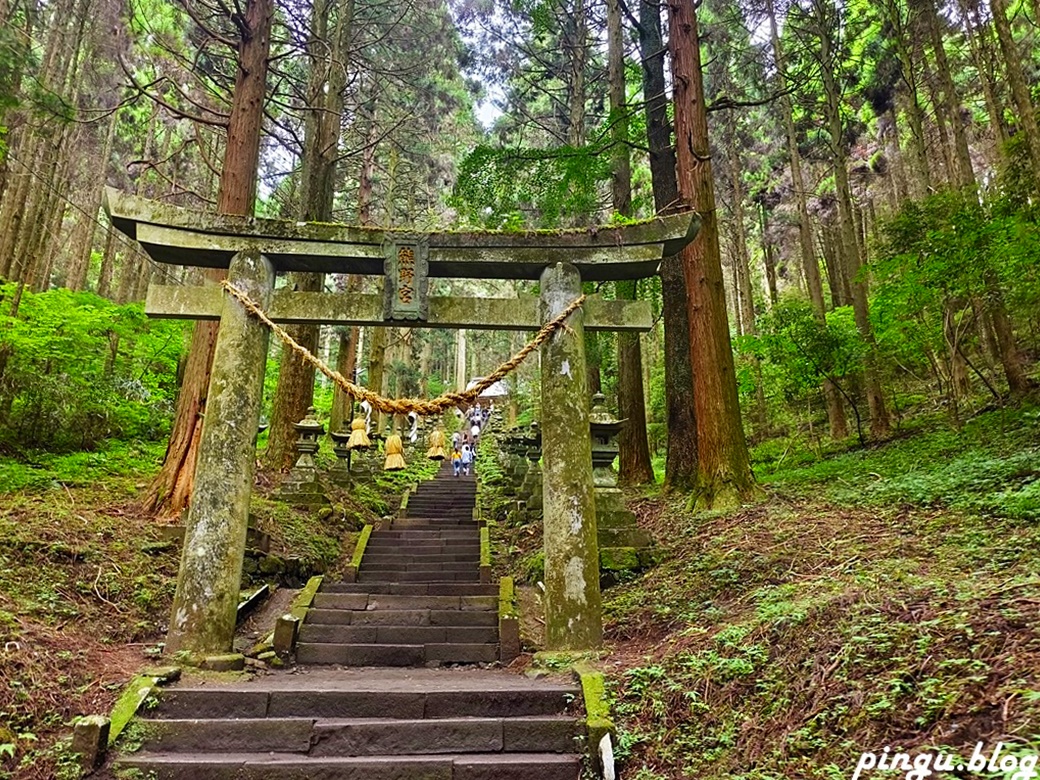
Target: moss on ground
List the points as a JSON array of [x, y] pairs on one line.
[[783, 640]]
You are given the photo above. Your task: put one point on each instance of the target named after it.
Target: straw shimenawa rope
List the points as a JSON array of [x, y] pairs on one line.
[[404, 405]]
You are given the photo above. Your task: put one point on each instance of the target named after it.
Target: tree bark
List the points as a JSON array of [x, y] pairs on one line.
[[1013, 59], [724, 475], [169, 492], [879, 422], [681, 448], [634, 466], [839, 428]]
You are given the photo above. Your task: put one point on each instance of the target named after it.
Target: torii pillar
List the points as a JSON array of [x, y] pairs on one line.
[[205, 605], [573, 609]]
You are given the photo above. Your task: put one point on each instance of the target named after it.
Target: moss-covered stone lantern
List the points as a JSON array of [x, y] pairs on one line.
[[623, 545], [340, 473], [605, 429], [308, 431], [301, 485]]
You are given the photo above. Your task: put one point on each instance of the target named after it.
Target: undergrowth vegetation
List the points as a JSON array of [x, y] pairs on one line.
[[881, 598]]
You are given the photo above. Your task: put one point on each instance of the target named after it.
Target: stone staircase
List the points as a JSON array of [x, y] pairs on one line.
[[364, 724], [418, 598], [417, 602]]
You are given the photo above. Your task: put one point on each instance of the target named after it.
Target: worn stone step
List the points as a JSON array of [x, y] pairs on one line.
[[435, 535], [397, 635], [426, 577], [372, 693], [360, 654], [413, 588], [390, 601], [394, 655], [416, 521], [406, 564], [517, 766], [409, 547], [364, 736], [361, 737], [423, 521], [398, 547], [419, 577], [420, 558], [286, 766], [403, 617]]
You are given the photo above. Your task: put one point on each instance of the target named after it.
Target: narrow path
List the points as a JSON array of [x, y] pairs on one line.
[[352, 709]]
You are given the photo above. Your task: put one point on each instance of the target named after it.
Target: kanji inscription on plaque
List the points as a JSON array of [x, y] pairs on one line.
[[406, 282]]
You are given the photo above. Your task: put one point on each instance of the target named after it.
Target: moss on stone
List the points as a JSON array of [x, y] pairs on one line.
[[359, 548], [126, 706], [305, 597], [507, 608], [485, 546], [618, 559]]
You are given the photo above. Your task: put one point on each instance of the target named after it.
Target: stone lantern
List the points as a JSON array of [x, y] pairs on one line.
[[301, 486], [623, 545], [605, 429], [308, 431], [340, 473], [529, 492]]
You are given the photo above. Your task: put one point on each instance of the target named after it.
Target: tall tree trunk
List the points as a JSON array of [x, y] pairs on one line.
[[169, 492], [879, 422], [349, 338], [681, 449], [1010, 360], [839, 428], [295, 389], [987, 67], [724, 475], [76, 279], [634, 466], [769, 256], [1013, 59], [951, 103]]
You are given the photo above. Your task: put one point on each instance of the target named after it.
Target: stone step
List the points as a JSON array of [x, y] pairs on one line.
[[424, 577], [412, 521], [446, 504], [371, 566], [463, 537], [276, 766], [371, 693], [403, 617], [413, 588], [404, 547], [435, 535], [356, 601], [456, 546], [397, 635], [394, 655], [435, 518], [328, 737], [419, 558]]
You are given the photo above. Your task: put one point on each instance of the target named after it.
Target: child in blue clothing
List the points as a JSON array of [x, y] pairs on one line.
[[467, 458], [456, 461]]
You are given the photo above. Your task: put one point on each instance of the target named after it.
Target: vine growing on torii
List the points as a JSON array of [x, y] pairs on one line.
[[874, 167]]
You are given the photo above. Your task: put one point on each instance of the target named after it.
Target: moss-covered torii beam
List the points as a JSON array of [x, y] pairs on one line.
[[170, 234]]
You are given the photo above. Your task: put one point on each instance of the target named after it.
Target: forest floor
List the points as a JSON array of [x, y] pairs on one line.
[[880, 599]]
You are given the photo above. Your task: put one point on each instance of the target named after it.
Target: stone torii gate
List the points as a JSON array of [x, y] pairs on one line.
[[255, 250]]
